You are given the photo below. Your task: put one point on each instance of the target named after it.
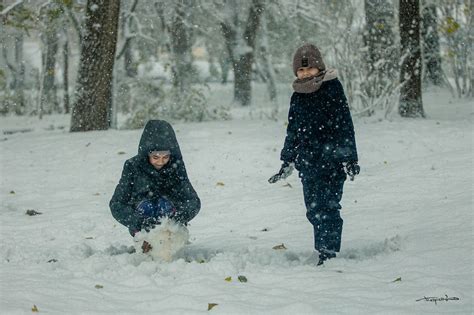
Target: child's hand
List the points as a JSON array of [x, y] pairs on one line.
[[146, 247], [285, 171], [352, 169]]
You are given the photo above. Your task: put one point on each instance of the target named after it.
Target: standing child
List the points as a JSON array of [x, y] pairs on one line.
[[154, 183], [320, 143]]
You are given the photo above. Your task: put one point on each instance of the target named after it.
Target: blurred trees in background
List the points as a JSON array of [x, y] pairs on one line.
[[456, 28], [433, 72], [170, 56], [239, 27], [381, 54]]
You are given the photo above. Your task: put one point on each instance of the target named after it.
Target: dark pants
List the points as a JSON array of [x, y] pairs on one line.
[[322, 194]]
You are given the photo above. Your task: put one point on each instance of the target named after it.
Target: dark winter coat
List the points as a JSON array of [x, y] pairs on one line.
[[320, 132], [140, 180]]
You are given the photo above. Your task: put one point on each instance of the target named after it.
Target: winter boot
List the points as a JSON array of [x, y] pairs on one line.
[[325, 254]]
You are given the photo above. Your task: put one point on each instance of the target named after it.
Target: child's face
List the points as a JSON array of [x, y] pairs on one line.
[[306, 72], [159, 158]]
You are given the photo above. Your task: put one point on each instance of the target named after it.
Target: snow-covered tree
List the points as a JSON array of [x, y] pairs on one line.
[[267, 70], [457, 26], [15, 19], [50, 15], [433, 72], [127, 29], [163, 45], [177, 22], [380, 43], [240, 22]]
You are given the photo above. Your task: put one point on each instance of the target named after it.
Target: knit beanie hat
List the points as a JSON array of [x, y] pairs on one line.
[[308, 55]]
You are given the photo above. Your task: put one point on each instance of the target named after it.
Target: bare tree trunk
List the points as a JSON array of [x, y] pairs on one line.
[[181, 47], [242, 51], [66, 74], [16, 85], [379, 39], [431, 48], [128, 63], [268, 69], [94, 84], [49, 99], [20, 75], [225, 67], [470, 72], [411, 103]]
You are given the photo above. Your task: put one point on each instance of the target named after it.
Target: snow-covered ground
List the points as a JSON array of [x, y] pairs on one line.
[[408, 222]]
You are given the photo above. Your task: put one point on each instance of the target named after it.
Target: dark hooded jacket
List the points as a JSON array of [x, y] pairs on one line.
[[320, 132], [140, 180]]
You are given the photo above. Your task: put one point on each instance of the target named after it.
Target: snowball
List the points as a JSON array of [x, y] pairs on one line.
[[165, 239]]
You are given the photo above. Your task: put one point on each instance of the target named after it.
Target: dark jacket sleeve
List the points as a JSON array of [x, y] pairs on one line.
[[123, 210], [187, 202], [288, 153], [345, 149]]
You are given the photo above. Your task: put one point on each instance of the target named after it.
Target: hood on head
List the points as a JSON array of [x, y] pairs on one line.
[[158, 135]]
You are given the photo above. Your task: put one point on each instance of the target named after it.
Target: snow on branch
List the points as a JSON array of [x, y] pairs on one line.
[[74, 21], [130, 17], [11, 7]]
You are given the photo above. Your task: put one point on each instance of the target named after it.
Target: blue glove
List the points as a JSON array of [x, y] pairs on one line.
[[155, 209], [166, 208]]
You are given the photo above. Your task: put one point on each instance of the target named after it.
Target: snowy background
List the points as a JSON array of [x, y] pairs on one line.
[[408, 222]]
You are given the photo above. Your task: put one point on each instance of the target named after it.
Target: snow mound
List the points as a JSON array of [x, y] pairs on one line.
[[166, 240], [368, 251]]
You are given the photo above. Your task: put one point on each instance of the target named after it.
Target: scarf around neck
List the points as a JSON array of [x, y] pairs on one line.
[[312, 84]]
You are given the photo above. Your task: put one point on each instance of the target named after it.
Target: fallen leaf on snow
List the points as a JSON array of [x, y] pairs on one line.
[[219, 184], [242, 278], [210, 306], [281, 246], [32, 212], [35, 309], [398, 279], [98, 286], [228, 279]]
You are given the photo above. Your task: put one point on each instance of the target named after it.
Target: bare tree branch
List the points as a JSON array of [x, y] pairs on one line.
[[11, 7]]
